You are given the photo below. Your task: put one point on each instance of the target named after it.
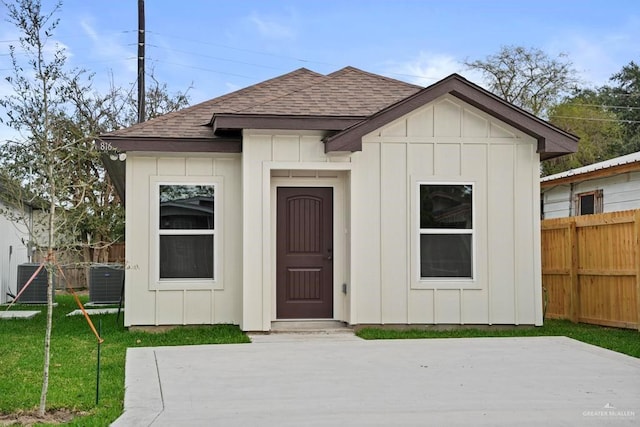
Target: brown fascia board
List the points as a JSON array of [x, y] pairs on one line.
[[172, 145], [224, 122], [551, 140]]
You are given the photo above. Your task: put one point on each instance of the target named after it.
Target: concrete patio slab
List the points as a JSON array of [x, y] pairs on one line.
[[18, 314], [92, 311], [551, 381]]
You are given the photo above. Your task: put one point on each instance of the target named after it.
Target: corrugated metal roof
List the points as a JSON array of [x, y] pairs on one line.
[[617, 161]]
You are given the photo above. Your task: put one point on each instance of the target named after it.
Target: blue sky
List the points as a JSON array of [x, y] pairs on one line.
[[219, 46]]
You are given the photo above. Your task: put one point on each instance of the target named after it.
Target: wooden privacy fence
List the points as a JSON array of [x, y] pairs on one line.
[[74, 270], [591, 268]]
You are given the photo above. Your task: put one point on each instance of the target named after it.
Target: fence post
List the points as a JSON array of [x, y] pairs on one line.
[[573, 272], [636, 245]]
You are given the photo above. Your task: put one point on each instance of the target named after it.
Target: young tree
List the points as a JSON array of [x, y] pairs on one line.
[[36, 109], [527, 77], [54, 161]]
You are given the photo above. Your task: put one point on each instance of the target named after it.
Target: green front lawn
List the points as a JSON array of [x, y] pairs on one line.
[[72, 381], [625, 341]]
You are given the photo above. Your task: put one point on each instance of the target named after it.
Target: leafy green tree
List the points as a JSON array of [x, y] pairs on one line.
[[622, 98], [599, 131], [527, 77]]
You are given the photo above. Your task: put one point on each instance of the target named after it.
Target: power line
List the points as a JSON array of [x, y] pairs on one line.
[[596, 119], [201, 68], [622, 107], [214, 57], [243, 49]]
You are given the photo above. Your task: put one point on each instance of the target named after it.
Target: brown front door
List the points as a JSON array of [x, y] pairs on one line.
[[304, 258]]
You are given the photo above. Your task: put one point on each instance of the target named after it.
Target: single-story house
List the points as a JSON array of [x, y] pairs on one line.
[[348, 196], [609, 186]]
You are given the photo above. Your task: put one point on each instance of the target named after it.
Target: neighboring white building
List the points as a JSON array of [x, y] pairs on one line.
[[347, 196], [609, 186], [13, 251]]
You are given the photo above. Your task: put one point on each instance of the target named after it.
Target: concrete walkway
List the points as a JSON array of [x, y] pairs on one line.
[[327, 380]]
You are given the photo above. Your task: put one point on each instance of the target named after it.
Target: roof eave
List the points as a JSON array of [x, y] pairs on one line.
[[199, 145], [552, 141], [229, 121]]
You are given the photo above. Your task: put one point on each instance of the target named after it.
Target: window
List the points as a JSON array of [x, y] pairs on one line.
[[446, 231], [187, 231], [589, 203]]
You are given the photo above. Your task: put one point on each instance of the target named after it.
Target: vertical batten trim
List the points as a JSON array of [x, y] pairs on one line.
[[514, 241], [155, 307], [184, 306], [380, 239], [212, 307], [489, 264], [538, 313], [461, 301], [408, 228]]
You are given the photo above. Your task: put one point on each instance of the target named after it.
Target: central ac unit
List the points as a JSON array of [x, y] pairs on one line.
[[36, 292], [105, 283]]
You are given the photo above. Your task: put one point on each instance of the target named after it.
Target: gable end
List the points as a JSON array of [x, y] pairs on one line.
[[552, 141]]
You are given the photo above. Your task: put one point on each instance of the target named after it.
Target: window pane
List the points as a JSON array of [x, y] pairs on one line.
[[587, 204], [186, 207], [186, 257], [445, 206], [445, 255]]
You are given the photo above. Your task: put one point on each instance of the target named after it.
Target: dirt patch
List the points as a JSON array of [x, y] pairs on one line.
[[152, 329], [30, 418]]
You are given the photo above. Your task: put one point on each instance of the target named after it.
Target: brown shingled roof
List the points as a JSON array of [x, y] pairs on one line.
[[348, 92], [192, 122]]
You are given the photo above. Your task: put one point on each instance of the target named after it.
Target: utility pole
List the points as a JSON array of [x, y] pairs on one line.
[[141, 33]]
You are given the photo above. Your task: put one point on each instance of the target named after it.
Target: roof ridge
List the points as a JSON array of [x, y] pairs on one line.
[[350, 68], [263, 84], [287, 93]]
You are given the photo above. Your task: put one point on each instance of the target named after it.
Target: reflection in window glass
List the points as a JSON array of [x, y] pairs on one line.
[[445, 206], [186, 207], [446, 231], [187, 231]]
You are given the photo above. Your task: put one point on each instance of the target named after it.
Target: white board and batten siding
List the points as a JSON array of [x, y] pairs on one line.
[[446, 141], [375, 223], [272, 159], [152, 303], [619, 193]]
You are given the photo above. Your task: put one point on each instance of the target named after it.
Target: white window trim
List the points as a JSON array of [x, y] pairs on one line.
[[156, 283], [445, 282]]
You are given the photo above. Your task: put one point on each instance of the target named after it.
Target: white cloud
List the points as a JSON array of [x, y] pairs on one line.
[[427, 68], [109, 48], [232, 87], [271, 27]]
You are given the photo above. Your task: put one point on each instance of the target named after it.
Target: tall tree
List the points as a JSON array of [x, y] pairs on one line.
[[527, 77], [622, 98], [599, 131]]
